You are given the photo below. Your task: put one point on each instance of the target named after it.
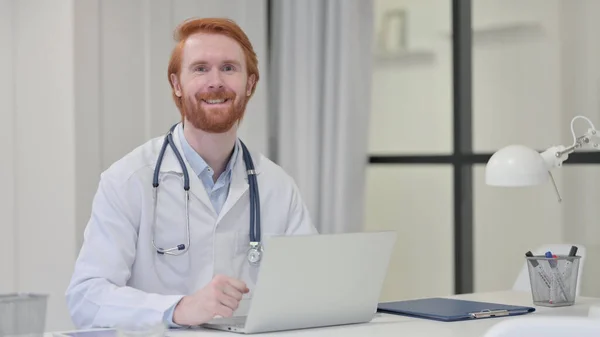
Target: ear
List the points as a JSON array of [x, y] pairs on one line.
[[250, 84], [176, 85]]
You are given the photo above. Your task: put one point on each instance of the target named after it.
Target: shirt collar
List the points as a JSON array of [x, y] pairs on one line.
[[197, 163]]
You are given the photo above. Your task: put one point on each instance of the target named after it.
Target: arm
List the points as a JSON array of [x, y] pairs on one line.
[[299, 221], [97, 295], [168, 318]]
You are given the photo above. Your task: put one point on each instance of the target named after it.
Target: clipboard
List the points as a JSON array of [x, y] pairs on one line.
[[451, 310]]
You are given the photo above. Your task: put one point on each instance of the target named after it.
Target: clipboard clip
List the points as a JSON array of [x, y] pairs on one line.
[[489, 313]]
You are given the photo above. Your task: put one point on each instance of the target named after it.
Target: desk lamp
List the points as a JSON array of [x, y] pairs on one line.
[[518, 165]]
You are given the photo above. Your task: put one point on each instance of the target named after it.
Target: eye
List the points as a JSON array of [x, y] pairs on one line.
[[201, 68], [228, 67]]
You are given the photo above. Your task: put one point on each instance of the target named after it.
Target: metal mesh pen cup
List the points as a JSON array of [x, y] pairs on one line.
[[22, 314], [553, 280]]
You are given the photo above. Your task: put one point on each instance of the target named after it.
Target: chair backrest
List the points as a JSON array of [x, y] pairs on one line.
[[549, 326], [522, 281]]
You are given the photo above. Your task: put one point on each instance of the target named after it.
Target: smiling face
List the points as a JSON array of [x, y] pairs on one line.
[[213, 82]]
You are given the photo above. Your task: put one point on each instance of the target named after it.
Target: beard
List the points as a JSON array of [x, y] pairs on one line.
[[218, 119]]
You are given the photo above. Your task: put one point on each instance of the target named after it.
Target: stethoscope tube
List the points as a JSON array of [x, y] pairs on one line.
[[254, 197], [169, 141], [180, 248]]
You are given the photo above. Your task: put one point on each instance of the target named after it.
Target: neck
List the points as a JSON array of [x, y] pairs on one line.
[[214, 148]]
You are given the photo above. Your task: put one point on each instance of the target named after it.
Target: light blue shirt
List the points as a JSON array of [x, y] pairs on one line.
[[217, 191]]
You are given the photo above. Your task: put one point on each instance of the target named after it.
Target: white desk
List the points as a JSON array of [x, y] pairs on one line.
[[393, 325]]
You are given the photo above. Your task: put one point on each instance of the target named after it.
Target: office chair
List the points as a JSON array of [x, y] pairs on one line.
[[522, 281]]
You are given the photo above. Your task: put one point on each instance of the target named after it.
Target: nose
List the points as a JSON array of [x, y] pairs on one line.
[[215, 82]]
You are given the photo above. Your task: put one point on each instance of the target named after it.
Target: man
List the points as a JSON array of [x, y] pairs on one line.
[[121, 274]]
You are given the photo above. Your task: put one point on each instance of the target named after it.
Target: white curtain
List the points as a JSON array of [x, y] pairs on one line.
[[321, 84]]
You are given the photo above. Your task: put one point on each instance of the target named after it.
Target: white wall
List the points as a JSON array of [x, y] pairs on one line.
[[581, 91], [81, 84], [37, 111], [7, 165], [535, 66]]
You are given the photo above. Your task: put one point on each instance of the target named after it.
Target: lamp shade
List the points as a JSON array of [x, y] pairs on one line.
[[516, 165]]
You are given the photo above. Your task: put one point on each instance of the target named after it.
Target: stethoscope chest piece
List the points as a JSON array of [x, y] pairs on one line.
[[255, 253]]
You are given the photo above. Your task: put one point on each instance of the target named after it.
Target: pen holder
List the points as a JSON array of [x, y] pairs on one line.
[[553, 280]]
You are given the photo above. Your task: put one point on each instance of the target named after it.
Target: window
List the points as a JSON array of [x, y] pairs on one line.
[[453, 82]]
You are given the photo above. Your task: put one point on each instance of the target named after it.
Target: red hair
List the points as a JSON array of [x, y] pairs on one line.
[[221, 26]]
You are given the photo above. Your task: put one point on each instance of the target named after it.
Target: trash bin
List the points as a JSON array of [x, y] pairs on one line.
[[22, 314]]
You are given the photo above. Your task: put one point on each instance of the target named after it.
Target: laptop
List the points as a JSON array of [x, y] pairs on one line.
[[314, 281]]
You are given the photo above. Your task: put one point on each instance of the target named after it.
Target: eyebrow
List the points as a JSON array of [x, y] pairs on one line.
[[233, 62], [200, 62]]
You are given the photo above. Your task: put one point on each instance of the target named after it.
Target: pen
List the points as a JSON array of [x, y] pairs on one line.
[[539, 269], [573, 251], [542, 274], [556, 275], [567, 270]]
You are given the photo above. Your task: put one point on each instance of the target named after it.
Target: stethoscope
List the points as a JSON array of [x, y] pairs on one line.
[[255, 250]]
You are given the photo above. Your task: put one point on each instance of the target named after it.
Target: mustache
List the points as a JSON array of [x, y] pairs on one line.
[[215, 95]]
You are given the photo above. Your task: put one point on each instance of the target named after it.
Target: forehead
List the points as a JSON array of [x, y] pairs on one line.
[[211, 48]]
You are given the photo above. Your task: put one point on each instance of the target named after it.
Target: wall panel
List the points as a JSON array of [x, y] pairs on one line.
[[7, 120], [44, 150]]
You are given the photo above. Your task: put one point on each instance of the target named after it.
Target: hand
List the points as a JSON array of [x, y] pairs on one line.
[[220, 297]]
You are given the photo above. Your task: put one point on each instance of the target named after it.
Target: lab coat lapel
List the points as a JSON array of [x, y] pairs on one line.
[[239, 182], [170, 163]]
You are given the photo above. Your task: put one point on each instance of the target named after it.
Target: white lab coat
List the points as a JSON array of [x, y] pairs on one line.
[[118, 275]]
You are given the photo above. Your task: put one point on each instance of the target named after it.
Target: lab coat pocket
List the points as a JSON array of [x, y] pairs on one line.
[[230, 261], [174, 271], [248, 271], [245, 271], [226, 261]]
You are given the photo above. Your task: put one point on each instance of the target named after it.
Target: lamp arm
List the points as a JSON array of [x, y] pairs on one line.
[[556, 155]]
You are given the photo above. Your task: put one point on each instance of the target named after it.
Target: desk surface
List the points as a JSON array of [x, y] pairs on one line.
[[393, 325]]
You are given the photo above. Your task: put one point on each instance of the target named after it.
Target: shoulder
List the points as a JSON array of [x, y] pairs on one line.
[[283, 192], [275, 178], [132, 164], [268, 167]]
